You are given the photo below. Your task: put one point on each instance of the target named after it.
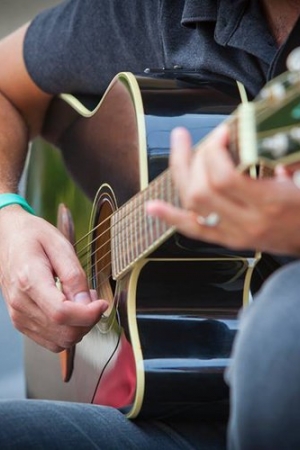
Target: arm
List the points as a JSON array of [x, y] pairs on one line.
[[254, 214], [31, 249], [22, 109]]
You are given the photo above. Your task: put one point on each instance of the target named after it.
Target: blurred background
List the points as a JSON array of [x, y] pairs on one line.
[[14, 13]]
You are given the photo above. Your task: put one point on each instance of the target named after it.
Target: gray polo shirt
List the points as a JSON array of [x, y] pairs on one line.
[[80, 45]]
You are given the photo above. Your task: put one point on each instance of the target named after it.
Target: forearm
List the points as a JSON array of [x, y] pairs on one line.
[[22, 109], [13, 145]]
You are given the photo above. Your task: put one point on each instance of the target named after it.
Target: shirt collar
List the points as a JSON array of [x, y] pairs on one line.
[[234, 25], [195, 11]]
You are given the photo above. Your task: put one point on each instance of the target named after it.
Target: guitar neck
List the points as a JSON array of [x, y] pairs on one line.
[[262, 133], [134, 234], [267, 130]]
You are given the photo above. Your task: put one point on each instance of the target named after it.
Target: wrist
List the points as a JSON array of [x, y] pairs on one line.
[[7, 199]]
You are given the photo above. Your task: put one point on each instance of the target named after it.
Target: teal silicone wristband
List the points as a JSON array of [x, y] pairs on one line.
[[15, 199]]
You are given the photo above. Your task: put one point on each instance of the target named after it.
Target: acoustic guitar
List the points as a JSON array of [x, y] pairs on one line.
[[165, 341]]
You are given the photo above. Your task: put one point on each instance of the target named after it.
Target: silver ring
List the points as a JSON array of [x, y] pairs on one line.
[[211, 220]]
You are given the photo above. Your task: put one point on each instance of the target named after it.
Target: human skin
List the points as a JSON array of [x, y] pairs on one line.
[[31, 248], [258, 214]]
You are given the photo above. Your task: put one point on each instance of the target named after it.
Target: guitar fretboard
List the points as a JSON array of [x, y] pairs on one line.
[[134, 234], [263, 132]]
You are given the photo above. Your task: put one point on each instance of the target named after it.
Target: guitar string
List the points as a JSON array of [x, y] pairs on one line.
[[164, 176], [102, 269], [134, 212], [85, 251], [90, 266], [102, 257]]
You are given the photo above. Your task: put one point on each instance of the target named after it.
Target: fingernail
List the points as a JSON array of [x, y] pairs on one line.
[[82, 297], [105, 305], [148, 207], [177, 136]]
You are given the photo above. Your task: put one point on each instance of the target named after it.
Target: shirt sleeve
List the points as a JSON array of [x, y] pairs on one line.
[[79, 45]]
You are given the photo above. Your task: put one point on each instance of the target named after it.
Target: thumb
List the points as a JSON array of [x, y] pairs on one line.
[[84, 296]]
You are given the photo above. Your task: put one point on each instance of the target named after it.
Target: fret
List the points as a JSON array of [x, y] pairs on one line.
[[169, 191], [131, 253], [137, 234], [163, 195], [146, 223], [115, 242], [119, 234], [129, 240], [157, 221], [139, 247], [149, 219], [135, 229], [265, 171], [121, 237], [125, 237]]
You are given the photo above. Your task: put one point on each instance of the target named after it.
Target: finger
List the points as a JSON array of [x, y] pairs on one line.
[[77, 314], [54, 346], [49, 345], [26, 313], [180, 157], [226, 233], [51, 254], [198, 191], [94, 295], [226, 181], [184, 221], [40, 287], [67, 269], [70, 312], [217, 138], [222, 176]]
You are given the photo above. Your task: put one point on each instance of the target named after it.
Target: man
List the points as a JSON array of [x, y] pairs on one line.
[[221, 205], [77, 47]]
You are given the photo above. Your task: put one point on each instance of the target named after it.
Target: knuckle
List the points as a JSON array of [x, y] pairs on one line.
[[194, 199], [255, 234], [274, 210], [74, 276], [222, 183], [59, 315], [23, 280], [71, 337], [14, 304], [54, 348], [14, 317]]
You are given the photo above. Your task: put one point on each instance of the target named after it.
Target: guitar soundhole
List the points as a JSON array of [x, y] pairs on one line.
[[101, 254]]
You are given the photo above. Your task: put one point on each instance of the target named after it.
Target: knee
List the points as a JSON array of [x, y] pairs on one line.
[[265, 371]]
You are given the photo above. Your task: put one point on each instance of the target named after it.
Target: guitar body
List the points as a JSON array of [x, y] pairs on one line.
[[165, 341]]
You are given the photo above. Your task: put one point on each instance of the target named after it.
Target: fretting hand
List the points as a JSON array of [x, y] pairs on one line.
[[261, 214]]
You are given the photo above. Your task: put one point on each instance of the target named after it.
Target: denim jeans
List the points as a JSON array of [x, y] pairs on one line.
[[39, 424], [265, 374], [264, 378]]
